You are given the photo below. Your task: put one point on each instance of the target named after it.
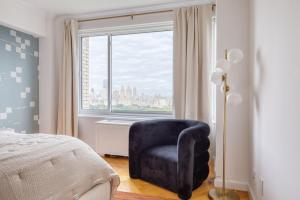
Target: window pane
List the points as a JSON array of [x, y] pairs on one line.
[[142, 72], [94, 81]]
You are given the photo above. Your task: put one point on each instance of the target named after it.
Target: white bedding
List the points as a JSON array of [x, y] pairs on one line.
[[50, 167], [99, 192]]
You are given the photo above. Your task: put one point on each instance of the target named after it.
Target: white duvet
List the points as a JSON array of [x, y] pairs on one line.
[[50, 167]]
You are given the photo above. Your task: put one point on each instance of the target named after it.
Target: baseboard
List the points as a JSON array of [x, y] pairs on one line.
[[234, 185], [237, 185], [252, 194]]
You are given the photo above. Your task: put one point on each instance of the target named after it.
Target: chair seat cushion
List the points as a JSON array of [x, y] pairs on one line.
[[159, 166], [166, 152]]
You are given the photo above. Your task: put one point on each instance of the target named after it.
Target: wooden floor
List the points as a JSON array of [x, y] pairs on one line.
[[120, 165]]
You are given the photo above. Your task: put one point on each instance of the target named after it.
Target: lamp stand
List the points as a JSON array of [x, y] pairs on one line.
[[223, 193]]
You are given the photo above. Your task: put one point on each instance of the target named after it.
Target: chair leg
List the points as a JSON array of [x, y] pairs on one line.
[[185, 192]]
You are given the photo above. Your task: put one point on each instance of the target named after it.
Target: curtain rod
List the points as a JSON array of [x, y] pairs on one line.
[[127, 15], [132, 15]]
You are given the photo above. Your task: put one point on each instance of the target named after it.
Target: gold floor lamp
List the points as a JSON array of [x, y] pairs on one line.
[[220, 78]]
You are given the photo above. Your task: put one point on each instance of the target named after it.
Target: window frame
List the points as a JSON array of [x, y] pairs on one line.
[[109, 32]]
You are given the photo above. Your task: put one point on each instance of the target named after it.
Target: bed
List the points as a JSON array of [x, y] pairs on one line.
[[52, 167]]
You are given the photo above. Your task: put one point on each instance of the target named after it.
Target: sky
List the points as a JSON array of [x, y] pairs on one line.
[[140, 60]]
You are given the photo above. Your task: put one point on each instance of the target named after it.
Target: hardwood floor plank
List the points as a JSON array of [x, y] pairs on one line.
[[141, 187]]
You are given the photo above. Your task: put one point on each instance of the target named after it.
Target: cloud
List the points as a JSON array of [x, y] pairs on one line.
[[141, 60]]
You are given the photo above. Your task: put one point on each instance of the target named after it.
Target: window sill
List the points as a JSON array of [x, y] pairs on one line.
[[127, 117], [116, 122]]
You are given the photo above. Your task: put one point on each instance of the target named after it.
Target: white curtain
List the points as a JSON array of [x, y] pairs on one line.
[[192, 62], [67, 123]]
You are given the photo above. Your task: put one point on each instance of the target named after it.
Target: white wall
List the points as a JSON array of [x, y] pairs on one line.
[[48, 80], [23, 16], [232, 32], [275, 80], [87, 130]]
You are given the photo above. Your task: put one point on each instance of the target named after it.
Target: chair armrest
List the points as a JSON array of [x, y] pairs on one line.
[[146, 134], [186, 149]]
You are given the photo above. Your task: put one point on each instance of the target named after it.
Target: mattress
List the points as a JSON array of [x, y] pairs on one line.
[[56, 167]]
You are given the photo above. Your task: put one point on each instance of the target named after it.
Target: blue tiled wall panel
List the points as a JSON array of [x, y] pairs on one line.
[[19, 66]]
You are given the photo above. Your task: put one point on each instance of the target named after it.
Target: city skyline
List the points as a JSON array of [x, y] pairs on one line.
[[129, 97]]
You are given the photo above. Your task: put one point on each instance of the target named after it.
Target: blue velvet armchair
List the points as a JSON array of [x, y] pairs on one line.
[[170, 153]]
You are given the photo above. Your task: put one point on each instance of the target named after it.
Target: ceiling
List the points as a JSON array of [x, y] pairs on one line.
[[67, 7]]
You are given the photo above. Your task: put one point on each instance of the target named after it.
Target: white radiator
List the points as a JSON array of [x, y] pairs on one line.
[[112, 137]]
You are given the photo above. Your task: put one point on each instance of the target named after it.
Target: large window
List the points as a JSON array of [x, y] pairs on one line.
[[127, 73]]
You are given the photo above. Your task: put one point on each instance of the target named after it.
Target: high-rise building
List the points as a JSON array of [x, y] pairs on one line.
[[85, 74], [128, 92], [134, 92]]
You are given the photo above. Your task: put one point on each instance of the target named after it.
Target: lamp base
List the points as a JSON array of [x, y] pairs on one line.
[[217, 194]]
